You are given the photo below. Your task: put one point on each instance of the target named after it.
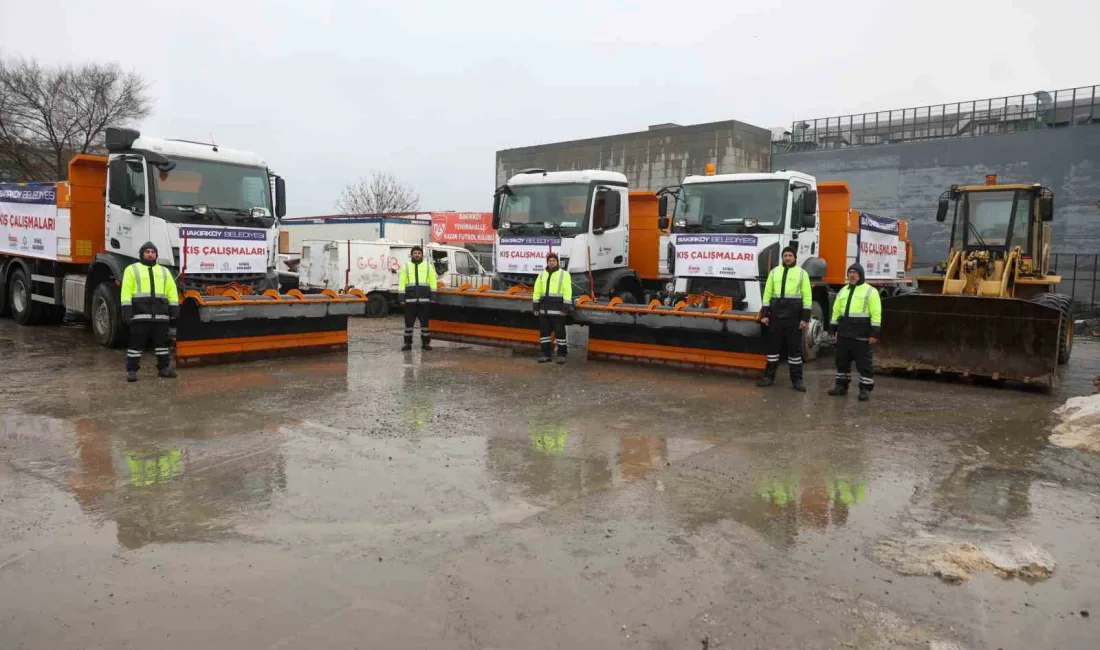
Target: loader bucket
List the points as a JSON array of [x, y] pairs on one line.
[[996, 338], [229, 328]]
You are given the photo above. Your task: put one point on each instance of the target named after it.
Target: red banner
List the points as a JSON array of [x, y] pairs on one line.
[[463, 228]]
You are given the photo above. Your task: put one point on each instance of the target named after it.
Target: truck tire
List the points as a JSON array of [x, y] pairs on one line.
[[377, 305], [1064, 304], [815, 334], [23, 310], [106, 316]]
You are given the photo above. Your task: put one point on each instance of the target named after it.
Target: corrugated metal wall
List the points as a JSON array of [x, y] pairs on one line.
[[905, 179]]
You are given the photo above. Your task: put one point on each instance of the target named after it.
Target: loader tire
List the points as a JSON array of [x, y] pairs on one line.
[[377, 305], [1064, 304], [106, 316], [24, 310]]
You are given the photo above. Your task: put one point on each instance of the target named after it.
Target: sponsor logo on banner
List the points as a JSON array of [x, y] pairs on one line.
[[878, 246], [28, 219], [525, 254], [712, 256], [239, 250], [463, 228]]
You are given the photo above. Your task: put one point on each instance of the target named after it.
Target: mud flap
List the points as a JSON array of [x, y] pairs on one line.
[[224, 329], [997, 338]]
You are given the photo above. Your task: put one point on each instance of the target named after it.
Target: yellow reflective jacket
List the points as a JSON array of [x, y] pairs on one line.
[[787, 294], [553, 291], [417, 282], [149, 293], [857, 312]]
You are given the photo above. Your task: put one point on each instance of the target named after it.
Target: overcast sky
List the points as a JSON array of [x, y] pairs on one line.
[[431, 89]]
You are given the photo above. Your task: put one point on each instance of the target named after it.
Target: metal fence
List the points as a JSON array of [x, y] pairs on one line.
[[1012, 114], [1080, 280]]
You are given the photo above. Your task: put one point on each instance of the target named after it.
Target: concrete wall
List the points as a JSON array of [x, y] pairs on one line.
[[906, 179], [651, 159]]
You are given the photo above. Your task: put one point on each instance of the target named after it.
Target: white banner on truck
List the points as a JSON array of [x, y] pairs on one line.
[[28, 219], [223, 250], [525, 254], [716, 256], [878, 246]]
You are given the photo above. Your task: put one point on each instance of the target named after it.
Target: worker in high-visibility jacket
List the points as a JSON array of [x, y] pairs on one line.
[[786, 313], [553, 297], [857, 318], [150, 301], [416, 290]]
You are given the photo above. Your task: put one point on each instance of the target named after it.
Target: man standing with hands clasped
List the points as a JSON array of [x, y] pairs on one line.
[[553, 296], [787, 300], [857, 317]]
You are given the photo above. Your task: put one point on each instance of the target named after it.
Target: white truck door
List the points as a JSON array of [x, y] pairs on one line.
[[127, 205], [610, 239]]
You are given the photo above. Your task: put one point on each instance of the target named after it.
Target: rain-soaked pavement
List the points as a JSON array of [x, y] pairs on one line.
[[468, 498]]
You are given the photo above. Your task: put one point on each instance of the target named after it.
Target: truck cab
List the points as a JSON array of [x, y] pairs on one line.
[[727, 232], [583, 216], [160, 190]]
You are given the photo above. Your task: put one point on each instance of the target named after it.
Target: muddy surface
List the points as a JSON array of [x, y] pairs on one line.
[[470, 498]]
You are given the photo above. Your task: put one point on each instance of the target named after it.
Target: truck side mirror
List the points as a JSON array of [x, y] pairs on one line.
[[809, 207], [1046, 208], [941, 210], [662, 223], [809, 219], [662, 206], [280, 197]]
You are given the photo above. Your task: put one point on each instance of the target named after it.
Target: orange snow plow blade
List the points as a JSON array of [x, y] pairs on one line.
[[680, 336], [231, 327]]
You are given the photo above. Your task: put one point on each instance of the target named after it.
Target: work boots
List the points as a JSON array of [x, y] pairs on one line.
[[798, 385], [769, 375], [166, 373], [131, 375], [544, 359], [406, 347], [839, 389], [864, 394], [559, 360]]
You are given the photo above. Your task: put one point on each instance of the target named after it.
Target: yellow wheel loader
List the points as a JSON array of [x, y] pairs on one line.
[[990, 311]]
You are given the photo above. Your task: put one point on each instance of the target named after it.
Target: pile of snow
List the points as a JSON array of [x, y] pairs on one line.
[[954, 561], [1080, 427]]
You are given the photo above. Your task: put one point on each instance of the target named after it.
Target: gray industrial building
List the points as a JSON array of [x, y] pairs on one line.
[[651, 159]]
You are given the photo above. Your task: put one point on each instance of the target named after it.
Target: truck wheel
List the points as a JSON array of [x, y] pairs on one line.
[[1064, 304], [377, 305], [106, 316], [627, 297], [24, 310], [813, 338]]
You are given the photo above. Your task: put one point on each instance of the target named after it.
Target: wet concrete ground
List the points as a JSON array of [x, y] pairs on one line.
[[469, 498]]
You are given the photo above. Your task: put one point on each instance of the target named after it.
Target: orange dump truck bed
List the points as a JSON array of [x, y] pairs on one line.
[[645, 236]]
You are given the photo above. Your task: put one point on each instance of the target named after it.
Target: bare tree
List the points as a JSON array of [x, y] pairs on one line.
[[48, 114], [381, 193]]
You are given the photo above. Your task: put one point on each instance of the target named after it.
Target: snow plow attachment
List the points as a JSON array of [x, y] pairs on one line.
[[232, 327], [995, 338], [680, 336]]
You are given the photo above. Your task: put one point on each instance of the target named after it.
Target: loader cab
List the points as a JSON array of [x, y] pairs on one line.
[[998, 218]]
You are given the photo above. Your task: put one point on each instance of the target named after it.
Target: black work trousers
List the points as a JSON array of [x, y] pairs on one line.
[[421, 311], [552, 326], [858, 350], [785, 334], [141, 334]]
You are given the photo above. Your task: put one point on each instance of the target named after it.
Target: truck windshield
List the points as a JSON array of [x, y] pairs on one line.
[[230, 192], [733, 206], [988, 216], [563, 204]]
